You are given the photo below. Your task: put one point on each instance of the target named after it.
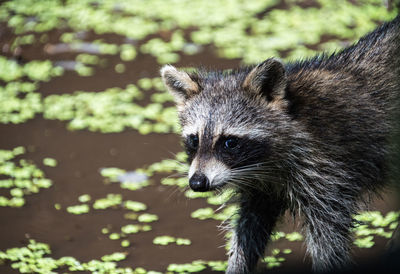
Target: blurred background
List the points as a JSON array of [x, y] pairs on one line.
[[90, 157]]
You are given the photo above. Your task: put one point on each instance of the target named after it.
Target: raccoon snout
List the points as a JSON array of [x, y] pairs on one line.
[[199, 182]]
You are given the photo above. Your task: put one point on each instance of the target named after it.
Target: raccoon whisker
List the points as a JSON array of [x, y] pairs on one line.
[[257, 176], [219, 191], [255, 170], [183, 190], [178, 162], [250, 188], [254, 173], [255, 167], [242, 186], [242, 182], [178, 174], [173, 192], [184, 165], [256, 164], [249, 182], [266, 166], [174, 155], [272, 164]]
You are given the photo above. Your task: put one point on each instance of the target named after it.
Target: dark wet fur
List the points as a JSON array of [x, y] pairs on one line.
[[326, 139]]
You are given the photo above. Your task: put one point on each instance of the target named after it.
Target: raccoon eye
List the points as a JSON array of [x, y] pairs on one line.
[[231, 143], [193, 141]]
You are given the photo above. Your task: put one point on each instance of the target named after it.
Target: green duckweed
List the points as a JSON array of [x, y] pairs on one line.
[[35, 258], [84, 198], [131, 229], [195, 266], [115, 257], [134, 206], [147, 218], [166, 240], [125, 243], [112, 200], [163, 240], [20, 177], [294, 236], [50, 162], [78, 209], [114, 236]]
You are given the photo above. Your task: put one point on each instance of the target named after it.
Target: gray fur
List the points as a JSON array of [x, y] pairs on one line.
[[313, 138]]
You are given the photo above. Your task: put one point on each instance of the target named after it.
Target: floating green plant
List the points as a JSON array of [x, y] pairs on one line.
[[371, 223], [203, 213], [208, 213], [273, 260], [83, 70], [115, 257], [112, 173], [50, 162], [134, 206], [22, 41], [19, 102], [166, 240], [112, 200], [180, 182], [294, 236], [22, 179], [78, 209], [120, 68], [163, 240], [127, 53], [235, 28], [88, 59], [10, 70], [35, 258], [376, 219], [217, 265], [147, 218], [195, 266], [183, 241], [131, 229], [84, 198], [130, 216], [125, 243], [287, 251], [277, 235], [365, 242], [114, 236], [111, 110], [191, 194]]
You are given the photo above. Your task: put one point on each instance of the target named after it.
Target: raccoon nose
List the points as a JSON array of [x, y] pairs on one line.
[[199, 182]]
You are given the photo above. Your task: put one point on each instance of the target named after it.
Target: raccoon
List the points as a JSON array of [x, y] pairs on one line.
[[310, 136]]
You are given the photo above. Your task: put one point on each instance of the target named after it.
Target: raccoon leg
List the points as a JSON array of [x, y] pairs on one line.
[[257, 218], [328, 238]]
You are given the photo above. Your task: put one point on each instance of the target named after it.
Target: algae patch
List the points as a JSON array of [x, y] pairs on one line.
[[22, 177]]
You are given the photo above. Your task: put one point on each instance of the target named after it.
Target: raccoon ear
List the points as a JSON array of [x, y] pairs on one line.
[[267, 78], [179, 83]]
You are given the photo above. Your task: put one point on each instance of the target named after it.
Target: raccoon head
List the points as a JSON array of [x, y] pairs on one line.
[[224, 118]]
